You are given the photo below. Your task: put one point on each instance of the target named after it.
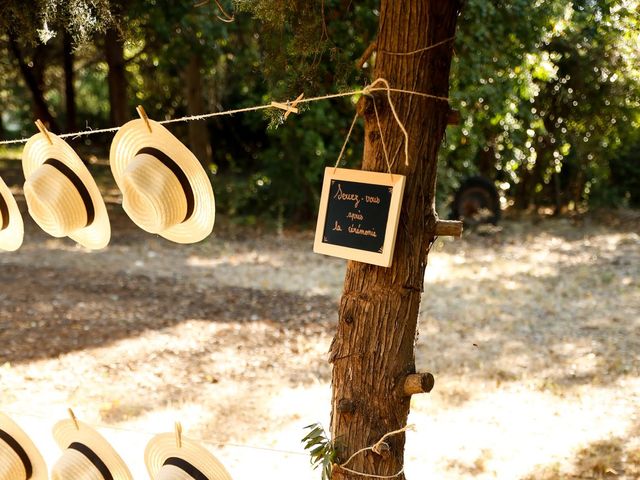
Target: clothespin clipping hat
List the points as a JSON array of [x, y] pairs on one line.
[[19, 457], [165, 189], [61, 194], [169, 456], [11, 226], [85, 454]]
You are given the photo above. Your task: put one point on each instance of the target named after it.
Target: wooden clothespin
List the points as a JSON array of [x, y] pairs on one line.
[[143, 116], [294, 104], [289, 107], [74, 419], [43, 130], [178, 435]]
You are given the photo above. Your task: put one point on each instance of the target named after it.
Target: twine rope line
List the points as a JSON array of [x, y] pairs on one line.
[[420, 50], [376, 448], [395, 115], [192, 118], [153, 434]]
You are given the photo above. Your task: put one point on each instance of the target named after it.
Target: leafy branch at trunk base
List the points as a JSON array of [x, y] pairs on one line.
[[321, 449]]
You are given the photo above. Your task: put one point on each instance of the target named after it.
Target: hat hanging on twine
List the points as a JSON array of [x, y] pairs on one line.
[[165, 189], [19, 457], [61, 194], [169, 456], [11, 226], [85, 454]]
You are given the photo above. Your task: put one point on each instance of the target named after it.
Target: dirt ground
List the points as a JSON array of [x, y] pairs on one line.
[[531, 330]]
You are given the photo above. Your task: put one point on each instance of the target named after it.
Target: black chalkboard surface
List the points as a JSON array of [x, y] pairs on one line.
[[358, 216]]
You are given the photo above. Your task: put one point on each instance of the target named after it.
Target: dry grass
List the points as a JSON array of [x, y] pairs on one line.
[[530, 330]]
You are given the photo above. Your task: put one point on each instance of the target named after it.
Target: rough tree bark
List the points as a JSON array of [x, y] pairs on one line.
[[373, 350], [198, 133], [33, 77], [116, 78]]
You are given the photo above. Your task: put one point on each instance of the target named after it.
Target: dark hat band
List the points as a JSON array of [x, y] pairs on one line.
[[182, 464], [93, 458], [4, 210], [16, 447], [178, 172], [80, 187]]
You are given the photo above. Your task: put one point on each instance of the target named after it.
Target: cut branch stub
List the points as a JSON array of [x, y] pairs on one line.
[[453, 118], [448, 228], [418, 383]]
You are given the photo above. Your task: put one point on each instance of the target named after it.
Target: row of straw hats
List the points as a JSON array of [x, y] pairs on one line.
[[165, 189], [86, 455]]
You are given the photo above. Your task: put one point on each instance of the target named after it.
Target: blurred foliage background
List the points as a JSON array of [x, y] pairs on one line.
[[548, 91]]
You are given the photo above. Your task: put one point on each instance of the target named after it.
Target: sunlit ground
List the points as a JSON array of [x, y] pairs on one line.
[[531, 332]]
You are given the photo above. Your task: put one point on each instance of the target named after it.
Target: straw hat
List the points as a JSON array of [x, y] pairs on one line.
[[166, 460], [62, 197], [165, 189], [86, 454], [19, 457], [11, 226]]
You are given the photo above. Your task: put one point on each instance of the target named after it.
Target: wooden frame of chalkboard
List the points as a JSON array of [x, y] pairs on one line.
[[359, 214]]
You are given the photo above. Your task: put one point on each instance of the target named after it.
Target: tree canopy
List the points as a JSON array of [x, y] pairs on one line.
[[548, 91]]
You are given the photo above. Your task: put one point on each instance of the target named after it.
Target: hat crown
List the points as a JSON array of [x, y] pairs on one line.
[[11, 467], [171, 472], [54, 202], [74, 465], [152, 194]]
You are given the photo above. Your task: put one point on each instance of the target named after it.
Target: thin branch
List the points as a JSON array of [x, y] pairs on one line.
[[227, 18], [373, 46]]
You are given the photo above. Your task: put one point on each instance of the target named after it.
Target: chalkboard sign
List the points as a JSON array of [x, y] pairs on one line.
[[359, 213]]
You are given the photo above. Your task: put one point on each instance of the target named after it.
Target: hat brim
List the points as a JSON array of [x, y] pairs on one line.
[[163, 446], [11, 237], [37, 151], [65, 433], [134, 136], [37, 462]]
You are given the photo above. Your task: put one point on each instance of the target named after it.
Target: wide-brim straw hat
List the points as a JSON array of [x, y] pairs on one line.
[[165, 189], [61, 194], [18, 454], [11, 226], [85, 454], [166, 460]]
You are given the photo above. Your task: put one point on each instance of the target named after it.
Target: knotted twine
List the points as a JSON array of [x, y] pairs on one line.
[[376, 448]]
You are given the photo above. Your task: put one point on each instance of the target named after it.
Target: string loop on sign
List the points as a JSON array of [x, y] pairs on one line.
[[376, 448], [384, 145], [395, 114], [367, 91], [346, 140]]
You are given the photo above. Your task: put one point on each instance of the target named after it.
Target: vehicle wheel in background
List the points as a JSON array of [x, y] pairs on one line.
[[476, 202]]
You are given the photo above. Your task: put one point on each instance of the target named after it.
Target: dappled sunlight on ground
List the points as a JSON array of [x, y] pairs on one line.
[[530, 331]]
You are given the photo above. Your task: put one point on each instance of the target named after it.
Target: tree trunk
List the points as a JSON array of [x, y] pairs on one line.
[[118, 100], [69, 90], [198, 133], [373, 350], [33, 78]]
